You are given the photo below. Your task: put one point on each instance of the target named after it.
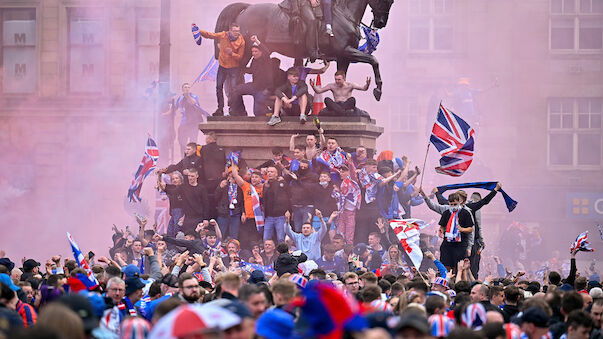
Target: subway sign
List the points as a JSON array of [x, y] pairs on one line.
[[584, 205]]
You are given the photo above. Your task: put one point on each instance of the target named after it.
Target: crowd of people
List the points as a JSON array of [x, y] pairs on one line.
[[300, 246]]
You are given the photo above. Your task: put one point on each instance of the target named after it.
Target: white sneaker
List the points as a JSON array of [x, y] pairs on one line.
[[330, 30], [303, 118]]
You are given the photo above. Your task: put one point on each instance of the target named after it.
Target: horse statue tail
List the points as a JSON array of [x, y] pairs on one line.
[[228, 15]]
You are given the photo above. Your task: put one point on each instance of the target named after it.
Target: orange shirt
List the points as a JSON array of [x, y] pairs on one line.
[[246, 188], [238, 48]]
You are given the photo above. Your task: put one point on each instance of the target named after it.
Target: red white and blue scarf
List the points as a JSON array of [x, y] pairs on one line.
[[453, 230]]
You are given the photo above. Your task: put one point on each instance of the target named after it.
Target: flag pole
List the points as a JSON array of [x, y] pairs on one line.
[[424, 162]]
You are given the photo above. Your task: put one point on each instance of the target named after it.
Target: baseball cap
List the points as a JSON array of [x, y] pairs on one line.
[[133, 284], [82, 306], [6, 262], [29, 264], [131, 271], [360, 248]]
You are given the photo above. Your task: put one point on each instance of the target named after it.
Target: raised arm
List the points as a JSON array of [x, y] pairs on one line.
[[486, 200], [292, 142], [320, 89], [210, 35], [237, 177], [439, 209], [390, 178], [362, 88]]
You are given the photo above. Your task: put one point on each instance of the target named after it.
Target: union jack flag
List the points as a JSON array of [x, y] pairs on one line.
[[440, 325], [81, 261], [453, 138], [581, 243], [147, 165]]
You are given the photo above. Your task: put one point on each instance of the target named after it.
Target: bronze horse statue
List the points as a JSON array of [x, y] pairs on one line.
[[274, 27]]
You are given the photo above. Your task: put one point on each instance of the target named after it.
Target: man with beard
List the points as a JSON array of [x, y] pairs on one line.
[[188, 288]]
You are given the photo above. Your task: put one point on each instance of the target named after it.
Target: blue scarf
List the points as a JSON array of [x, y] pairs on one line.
[[511, 204]]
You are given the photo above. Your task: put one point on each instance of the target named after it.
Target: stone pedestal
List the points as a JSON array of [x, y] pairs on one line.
[[257, 139]]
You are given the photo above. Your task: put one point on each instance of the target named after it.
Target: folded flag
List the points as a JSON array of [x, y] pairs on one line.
[[453, 138], [147, 165], [90, 282], [197, 34], [581, 243], [408, 231], [489, 185]]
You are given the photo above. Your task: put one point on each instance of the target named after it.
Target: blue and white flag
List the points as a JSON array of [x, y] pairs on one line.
[[210, 72]]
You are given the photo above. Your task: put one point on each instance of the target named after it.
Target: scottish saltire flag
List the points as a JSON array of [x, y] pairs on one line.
[[268, 270], [581, 243], [453, 138], [210, 72], [196, 34], [257, 208], [81, 261], [408, 231], [372, 40], [147, 165]]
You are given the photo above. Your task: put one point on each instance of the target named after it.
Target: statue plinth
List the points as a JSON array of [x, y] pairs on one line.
[[256, 138]]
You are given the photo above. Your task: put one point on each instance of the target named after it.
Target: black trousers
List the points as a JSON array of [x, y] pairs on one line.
[[475, 259], [341, 107]]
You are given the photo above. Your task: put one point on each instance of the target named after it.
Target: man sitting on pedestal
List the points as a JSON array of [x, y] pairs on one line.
[[344, 103], [292, 97]]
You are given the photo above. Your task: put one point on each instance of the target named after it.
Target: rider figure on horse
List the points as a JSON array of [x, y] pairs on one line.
[[305, 9]]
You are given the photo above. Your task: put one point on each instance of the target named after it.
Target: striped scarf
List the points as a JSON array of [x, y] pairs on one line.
[[453, 233]]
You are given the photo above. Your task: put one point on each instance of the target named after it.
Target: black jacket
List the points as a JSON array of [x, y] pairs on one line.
[[302, 189], [193, 161], [323, 200], [196, 204], [285, 263], [223, 203], [276, 198], [213, 160], [262, 70]]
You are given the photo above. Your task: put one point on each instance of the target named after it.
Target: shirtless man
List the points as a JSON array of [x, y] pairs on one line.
[[312, 148], [342, 93]]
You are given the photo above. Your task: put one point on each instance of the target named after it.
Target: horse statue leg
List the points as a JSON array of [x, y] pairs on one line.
[[354, 55]]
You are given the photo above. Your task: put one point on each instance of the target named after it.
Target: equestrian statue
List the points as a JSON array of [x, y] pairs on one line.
[[299, 29]]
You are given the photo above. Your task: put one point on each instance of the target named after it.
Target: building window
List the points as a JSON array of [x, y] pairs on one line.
[[574, 137], [86, 50], [147, 46], [18, 50], [430, 25], [576, 25]]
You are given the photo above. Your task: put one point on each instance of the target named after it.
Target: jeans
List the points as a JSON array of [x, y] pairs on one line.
[[229, 226], [260, 96], [300, 215], [327, 11], [230, 76], [273, 224], [173, 227]]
